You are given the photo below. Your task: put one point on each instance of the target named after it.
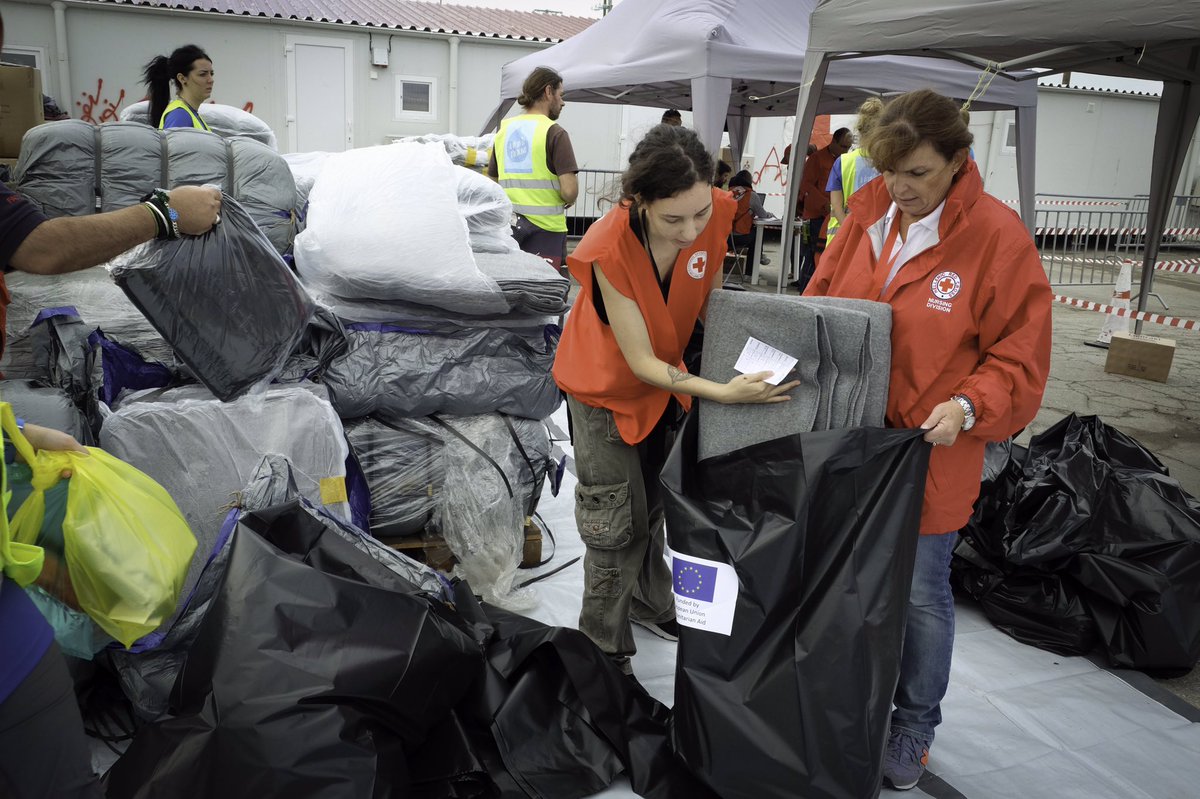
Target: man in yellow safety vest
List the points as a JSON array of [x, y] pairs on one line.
[[533, 161]]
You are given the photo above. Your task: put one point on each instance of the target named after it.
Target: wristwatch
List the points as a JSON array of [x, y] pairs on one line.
[[968, 411], [10, 452]]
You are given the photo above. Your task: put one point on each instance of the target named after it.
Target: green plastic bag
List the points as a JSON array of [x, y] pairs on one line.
[[126, 544]]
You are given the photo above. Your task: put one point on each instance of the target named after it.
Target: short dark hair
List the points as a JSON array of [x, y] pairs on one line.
[[535, 85], [669, 159], [671, 113], [160, 72], [743, 179], [840, 134], [912, 119]]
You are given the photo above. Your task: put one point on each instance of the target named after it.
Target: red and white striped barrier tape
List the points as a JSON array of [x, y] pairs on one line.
[[1111, 231], [1141, 316], [1187, 266], [1100, 203]]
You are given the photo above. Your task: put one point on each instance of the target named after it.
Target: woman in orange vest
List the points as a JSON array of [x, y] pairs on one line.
[[645, 271], [970, 357]]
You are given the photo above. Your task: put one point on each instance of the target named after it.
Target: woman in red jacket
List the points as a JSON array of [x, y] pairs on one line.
[[645, 271], [970, 356]]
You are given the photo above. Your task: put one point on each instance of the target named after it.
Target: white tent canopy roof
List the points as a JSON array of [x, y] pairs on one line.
[[1157, 40], [715, 57]]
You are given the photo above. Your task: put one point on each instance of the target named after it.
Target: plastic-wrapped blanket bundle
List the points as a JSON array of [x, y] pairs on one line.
[[306, 167], [534, 293], [469, 151], [383, 223], [63, 165], [488, 212], [404, 462], [227, 303], [226, 121], [203, 451], [483, 512], [410, 372], [99, 303]]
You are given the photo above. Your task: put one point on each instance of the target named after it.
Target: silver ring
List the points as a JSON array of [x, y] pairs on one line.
[[217, 221]]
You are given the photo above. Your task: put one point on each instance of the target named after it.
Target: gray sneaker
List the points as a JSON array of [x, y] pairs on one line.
[[905, 760]]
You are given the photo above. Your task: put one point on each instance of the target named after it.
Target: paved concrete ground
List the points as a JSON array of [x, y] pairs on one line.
[[1164, 417]]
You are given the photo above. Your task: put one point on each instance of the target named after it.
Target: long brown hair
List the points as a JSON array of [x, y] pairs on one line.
[[535, 85], [160, 72]]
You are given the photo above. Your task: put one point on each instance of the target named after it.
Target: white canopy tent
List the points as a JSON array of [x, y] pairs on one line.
[[730, 60], [1158, 41]]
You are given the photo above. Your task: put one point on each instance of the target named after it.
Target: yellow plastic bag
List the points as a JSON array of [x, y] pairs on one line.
[[127, 546]]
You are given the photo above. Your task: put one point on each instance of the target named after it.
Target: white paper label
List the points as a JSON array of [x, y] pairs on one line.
[[758, 356], [706, 593]]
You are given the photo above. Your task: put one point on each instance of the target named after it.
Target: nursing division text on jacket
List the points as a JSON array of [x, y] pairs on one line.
[[970, 315]]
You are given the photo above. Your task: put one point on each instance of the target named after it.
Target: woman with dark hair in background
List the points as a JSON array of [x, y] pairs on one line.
[[645, 271], [749, 208], [191, 70], [970, 357]]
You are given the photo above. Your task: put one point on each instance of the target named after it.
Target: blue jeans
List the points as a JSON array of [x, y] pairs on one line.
[[928, 639]]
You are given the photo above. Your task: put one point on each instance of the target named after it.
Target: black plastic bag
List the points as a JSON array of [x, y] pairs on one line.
[[225, 301], [1094, 525], [821, 529], [315, 667], [320, 670]]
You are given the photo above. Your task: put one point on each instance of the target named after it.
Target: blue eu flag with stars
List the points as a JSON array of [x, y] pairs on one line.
[[694, 580]]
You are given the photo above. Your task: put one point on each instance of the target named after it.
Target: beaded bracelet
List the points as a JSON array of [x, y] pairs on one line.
[[166, 218]]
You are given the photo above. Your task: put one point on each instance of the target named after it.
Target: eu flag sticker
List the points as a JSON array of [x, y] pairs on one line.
[[705, 593], [695, 580]]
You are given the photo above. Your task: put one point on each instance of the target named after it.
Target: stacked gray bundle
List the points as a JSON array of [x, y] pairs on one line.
[[403, 461], [413, 373], [844, 352], [65, 166], [532, 289], [45, 405], [226, 121], [100, 303], [203, 451]]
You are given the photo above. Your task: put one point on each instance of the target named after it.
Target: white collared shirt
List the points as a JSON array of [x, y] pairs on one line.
[[922, 235]]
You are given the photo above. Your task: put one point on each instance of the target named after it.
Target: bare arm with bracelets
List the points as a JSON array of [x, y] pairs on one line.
[[70, 243]]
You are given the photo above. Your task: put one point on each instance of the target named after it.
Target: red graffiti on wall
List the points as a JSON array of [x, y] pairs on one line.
[[93, 103], [771, 162]]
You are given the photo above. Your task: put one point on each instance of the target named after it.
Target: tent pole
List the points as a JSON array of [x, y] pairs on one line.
[[1178, 111], [812, 82]]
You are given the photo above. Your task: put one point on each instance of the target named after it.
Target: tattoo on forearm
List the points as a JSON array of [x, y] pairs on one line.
[[677, 375]]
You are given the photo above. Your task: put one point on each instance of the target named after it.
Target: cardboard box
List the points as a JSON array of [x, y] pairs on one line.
[[1147, 357], [20, 106]]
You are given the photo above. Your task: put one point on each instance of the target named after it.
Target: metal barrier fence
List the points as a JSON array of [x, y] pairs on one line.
[[598, 190], [1083, 240]]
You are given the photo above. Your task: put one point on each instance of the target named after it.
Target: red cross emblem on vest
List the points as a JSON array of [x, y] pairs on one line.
[[697, 264]]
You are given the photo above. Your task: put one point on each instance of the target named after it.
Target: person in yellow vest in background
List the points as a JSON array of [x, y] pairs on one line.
[[853, 170], [533, 161], [191, 70]]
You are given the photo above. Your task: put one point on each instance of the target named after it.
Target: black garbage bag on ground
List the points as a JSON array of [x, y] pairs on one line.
[[225, 301], [1093, 525], [1035, 607], [809, 542], [321, 671]]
